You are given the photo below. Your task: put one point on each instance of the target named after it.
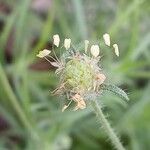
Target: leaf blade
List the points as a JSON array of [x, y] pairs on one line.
[[116, 90]]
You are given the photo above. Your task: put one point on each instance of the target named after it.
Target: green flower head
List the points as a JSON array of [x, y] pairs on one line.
[[80, 74]]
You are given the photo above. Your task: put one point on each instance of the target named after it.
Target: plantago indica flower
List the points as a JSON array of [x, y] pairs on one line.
[[95, 50], [82, 79], [115, 46], [67, 43], [106, 38], [56, 40], [43, 53], [80, 74]]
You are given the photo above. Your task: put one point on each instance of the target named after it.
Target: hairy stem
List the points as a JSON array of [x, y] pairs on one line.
[[105, 124]]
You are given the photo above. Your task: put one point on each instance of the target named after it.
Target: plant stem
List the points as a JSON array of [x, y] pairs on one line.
[[105, 124]]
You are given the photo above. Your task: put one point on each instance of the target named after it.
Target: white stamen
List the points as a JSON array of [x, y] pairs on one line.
[[106, 38], [95, 50], [43, 53], [67, 43], [86, 43], [115, 46], [56, 40]]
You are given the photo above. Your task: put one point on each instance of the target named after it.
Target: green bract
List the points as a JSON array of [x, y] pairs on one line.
[[78, 75]]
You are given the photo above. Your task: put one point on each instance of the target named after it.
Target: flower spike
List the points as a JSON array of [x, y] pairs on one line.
[[82, 80]]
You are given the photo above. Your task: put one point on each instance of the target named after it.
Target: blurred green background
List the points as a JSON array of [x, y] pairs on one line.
[[30, 117]]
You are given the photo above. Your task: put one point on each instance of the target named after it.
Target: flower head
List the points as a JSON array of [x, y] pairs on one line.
[[80, 74]]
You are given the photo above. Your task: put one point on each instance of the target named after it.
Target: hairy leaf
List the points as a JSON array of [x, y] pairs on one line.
[[116, 90]]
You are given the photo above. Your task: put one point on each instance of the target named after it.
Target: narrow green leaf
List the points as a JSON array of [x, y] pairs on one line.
[[80, 18], [116, 90]]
